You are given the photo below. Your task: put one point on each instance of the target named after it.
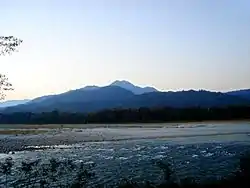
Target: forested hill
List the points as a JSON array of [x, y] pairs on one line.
[[140, 115]]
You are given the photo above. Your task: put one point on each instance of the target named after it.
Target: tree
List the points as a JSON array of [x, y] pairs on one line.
[[8, 44], [4, 85]]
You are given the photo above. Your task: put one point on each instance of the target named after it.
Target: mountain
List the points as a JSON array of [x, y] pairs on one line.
[[74, 95], [40, 99], [109, 97], [123, 94], [241, 93], [13, 103], [79, 100], [135, 89]]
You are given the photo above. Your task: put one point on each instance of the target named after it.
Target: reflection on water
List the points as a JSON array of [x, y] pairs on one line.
[[136, 159]]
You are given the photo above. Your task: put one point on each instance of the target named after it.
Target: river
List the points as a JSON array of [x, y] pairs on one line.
[[201, 157]]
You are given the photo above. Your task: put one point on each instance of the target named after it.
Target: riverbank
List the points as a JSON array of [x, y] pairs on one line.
[[124, 125], [180, 133]]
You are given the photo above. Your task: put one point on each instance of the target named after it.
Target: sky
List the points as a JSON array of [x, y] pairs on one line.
[[167, 44]]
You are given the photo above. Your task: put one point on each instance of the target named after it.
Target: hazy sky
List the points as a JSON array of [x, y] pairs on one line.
[[168, 44]]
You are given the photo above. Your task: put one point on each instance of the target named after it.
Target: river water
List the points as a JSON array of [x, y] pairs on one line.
[[199, 157], [137, 159]]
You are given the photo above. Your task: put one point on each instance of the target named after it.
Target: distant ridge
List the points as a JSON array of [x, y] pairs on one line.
[[13, 103], [123, 94]]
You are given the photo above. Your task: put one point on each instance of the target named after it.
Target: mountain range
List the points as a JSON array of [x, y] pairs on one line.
[[123, 94], [241, 93]]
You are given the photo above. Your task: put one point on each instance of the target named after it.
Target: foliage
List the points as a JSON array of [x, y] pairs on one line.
[[9, 44], [4, 85]]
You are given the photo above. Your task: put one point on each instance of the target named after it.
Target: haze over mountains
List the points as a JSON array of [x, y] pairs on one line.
[[126, 85], [13, 103], [123, 94]]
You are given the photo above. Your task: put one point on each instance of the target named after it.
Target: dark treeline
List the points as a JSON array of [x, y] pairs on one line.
[[141, 115]]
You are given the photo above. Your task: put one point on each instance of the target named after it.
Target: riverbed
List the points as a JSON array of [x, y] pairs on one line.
[[201, 151]]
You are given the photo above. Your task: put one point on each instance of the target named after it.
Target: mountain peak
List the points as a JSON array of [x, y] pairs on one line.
[[121, 83], [131, 87]]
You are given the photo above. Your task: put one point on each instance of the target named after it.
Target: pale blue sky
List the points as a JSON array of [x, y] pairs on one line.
[[168, 44]]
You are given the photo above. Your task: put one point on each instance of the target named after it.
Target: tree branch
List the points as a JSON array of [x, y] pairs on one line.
[[9, 44]]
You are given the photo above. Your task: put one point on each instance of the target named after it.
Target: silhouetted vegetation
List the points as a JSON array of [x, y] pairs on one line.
[[56, 173], [8, 44], [5, 85], [141, 115]]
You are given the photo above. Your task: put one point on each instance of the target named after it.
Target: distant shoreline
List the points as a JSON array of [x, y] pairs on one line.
[[121, 125]]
